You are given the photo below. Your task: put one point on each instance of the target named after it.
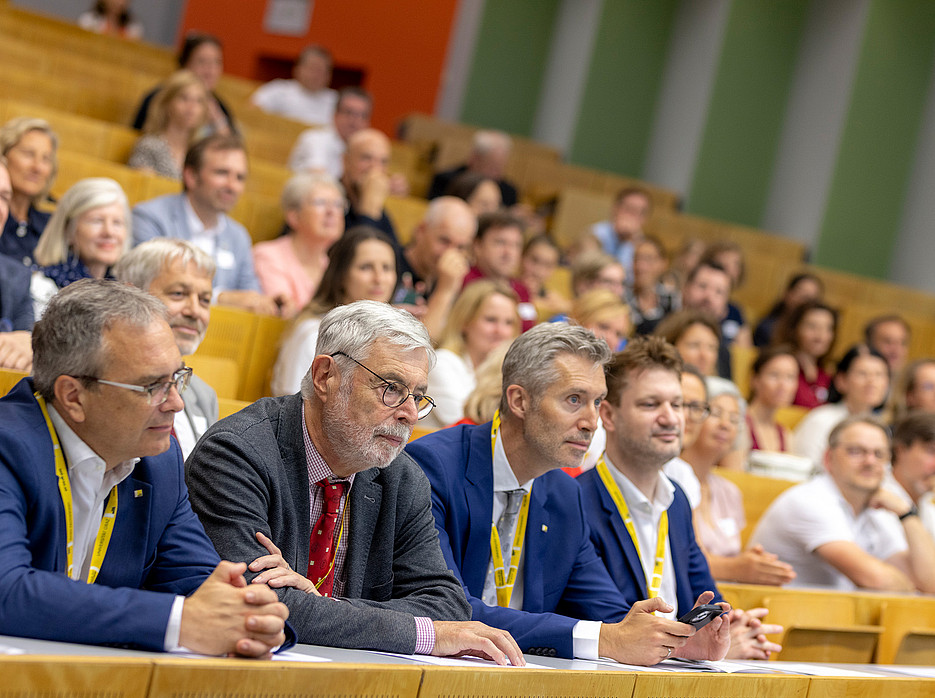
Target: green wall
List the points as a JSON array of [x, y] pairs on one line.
[[871, 175], [509, 61], [744, 122], [617, 108]]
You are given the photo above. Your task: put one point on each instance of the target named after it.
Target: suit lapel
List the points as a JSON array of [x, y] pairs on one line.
[[534, 545], [478, 491], [292, 451], [623, 538], [365, 501], [130, 537]]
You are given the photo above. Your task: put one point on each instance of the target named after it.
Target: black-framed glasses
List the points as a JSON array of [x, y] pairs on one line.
[[396, 393], [157, 393], [697, 411]]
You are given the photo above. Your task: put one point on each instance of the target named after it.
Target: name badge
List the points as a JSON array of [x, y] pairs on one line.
[[225, 259]]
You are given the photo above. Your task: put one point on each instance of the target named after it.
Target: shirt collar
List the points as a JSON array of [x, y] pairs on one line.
[[663, 497], [194, 222], [504, 479], [77, 452]]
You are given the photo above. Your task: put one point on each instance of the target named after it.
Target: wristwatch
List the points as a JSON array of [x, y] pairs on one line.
[[913, 511]]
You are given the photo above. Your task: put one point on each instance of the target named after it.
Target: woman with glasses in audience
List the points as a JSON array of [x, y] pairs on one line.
[[719, 517], [810, 330], [175, 120], [361, 266], [540, 260], [696, 335], [293, 265], [85, 237], [484, 317], [29, 147]]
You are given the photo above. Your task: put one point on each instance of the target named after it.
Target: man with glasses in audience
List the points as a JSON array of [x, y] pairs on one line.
[[127, 563], [315, 489], [842, 529]]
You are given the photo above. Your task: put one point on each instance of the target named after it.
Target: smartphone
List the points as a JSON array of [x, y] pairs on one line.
[[700, 616]]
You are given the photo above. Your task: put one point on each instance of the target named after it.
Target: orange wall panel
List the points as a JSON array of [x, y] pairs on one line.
[[400, 45]]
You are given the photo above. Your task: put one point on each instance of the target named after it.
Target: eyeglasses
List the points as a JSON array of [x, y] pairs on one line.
[[731, 417], [157, 393], [697, 411], [860, 453], [396, 393]]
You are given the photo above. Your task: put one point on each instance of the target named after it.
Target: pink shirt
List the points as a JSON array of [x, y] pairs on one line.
[[719, 531], [280, 272]]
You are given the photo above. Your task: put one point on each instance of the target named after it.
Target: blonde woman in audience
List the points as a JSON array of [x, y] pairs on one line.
[[361, 266], [29, 147], [113, 18], [86, 236], [175, 119], [913, 390], [605, 314], [484, 400], [697, 337], [810, 330], [484, 316], [719, 516], [292, 265], [649, 299], [539, 263], [774, 378]]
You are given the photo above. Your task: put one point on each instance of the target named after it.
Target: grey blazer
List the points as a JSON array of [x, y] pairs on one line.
[[165, 217], [201, 406], [249, 473]]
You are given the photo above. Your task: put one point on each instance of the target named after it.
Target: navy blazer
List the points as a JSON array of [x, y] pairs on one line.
[[616, 548], [158, 547], [563, 580], [15, 302]]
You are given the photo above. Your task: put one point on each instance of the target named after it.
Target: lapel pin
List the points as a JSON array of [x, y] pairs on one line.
[[545, 529], [137, 493]]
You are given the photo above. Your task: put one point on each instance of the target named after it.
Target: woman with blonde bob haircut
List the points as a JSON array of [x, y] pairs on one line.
[[605, 314], [29, 146], [484, 316], [175, 120], [87, 234]]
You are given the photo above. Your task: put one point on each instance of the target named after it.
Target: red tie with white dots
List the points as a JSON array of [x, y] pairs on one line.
[[321, 542]]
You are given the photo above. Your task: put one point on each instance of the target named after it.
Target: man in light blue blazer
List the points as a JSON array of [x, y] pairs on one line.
[[213, 177], [561, 600], [132, 564]]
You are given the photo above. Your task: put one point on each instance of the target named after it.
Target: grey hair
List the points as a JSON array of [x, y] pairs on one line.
[[296, 191], [68, 340], [86, 194], [486, 141], [146, 261], [716, 386], [530, 360], [353, 328]]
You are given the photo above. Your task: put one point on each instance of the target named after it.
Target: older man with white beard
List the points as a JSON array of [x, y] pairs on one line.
[[322, 474], [180, 275]]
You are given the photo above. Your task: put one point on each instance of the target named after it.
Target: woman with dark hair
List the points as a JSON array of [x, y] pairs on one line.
[[697, 337], [802, 287], [481, 193], [111, 17], [774, 379], [859, 386], [203, 55], [810, 330], [913, 390], [649, 299], [361, 266]]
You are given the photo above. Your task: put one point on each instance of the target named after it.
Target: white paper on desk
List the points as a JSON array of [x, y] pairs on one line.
[[7, 649], [819, 670], [923, 671], [457, 661], [290, 656]]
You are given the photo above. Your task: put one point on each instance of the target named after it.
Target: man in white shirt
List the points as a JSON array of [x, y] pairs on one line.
[[93, 426], [913, 473], [322, 149], [505, 477], [841, 529], [179, 274], [307, 96]]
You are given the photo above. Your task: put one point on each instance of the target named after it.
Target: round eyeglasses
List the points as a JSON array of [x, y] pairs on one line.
[[158, 392], [396, 393], [697, 411]]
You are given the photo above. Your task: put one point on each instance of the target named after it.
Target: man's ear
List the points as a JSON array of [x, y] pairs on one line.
[[70, 398], [189, 178], [518, 401], [605, 410], [326, 377]]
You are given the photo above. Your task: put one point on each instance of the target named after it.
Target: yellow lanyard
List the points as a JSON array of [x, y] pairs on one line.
[[504, 581], [655, 583], [64, 487]]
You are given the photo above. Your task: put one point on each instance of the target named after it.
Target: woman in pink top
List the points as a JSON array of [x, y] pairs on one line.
[[719, 517], [293, 265], [773, 383]]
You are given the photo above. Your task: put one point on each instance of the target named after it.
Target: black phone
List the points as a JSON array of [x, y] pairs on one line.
[[700, 616]]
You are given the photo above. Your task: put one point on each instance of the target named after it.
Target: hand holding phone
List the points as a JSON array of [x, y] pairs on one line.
[[700, 616]]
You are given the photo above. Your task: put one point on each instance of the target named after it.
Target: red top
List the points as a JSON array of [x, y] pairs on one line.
[[812, 394]]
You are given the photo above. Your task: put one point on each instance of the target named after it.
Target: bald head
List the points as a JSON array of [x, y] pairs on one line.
[[366, 150], [449, 224]]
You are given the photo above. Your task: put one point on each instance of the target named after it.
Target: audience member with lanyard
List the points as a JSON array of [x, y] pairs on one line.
[[641, 522], [93, 425], [489, 481]]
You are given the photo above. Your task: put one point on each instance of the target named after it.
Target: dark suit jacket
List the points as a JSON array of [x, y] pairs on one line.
[[158, 548], [15, 301], [249, 473], [615, 546], [562, 572]]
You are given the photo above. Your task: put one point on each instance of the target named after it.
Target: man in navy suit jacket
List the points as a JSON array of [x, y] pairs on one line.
[[642, 416], [562, 601], [107, 381]]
